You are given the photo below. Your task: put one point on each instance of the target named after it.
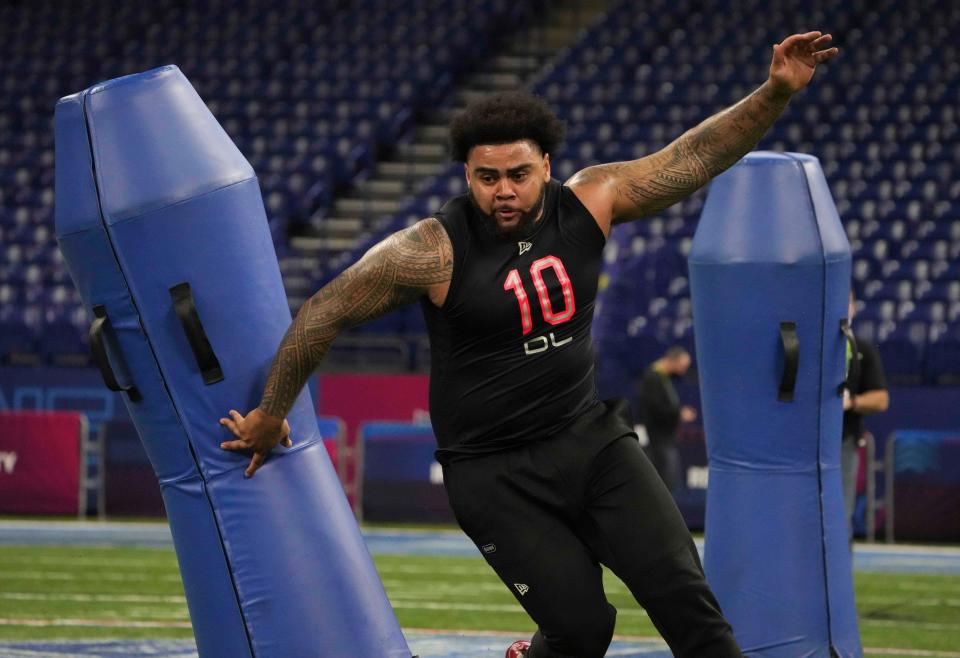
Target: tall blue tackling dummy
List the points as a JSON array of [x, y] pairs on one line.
[[770, 274], [161, 222]]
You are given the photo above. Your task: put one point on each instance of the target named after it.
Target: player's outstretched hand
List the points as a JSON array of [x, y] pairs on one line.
[[796, 58], [257, 433]]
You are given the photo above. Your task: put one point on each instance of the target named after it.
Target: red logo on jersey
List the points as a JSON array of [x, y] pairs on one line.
[[514, 283]]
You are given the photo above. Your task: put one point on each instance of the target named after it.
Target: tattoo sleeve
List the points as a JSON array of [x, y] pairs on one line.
[[645, 186], [394, 273]]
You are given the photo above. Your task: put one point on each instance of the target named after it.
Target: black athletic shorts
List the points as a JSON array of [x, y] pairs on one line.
[[547, 514]]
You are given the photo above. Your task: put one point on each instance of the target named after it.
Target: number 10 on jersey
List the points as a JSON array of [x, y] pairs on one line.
[[515, 283]]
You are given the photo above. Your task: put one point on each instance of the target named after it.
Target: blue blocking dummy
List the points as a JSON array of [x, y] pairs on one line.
[[770, 275], [161, 222]]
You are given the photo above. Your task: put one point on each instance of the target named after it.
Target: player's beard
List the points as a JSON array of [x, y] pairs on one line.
[[488, 221]]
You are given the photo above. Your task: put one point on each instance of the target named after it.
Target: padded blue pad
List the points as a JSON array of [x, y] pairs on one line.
[[151, 193], [770, 248]]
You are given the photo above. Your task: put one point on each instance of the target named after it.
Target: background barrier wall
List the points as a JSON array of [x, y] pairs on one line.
[[40, 462], [401, 479], [362, 398], [923, 485], [370, 398]]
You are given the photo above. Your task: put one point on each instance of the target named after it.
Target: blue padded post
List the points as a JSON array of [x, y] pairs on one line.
[[770, 274], [151, 194]]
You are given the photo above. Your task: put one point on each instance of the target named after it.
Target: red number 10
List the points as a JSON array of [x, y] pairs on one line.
[[514, 283]]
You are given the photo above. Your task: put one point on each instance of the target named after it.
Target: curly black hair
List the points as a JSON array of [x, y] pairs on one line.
[[503, 118]]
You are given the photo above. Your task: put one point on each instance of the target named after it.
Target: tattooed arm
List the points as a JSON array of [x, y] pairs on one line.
[[407, 265], [623, 191]]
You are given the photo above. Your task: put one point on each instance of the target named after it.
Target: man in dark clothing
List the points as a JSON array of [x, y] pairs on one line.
[[661, 412], [866, 394], [547, 480]]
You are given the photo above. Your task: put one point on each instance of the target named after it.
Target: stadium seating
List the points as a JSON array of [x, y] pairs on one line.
[[886, 136], [314, 93]]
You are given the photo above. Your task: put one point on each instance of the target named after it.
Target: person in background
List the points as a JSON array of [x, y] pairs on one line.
[[661, 412], [865, 393]]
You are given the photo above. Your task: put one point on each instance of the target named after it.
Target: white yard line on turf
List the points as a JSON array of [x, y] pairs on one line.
[[94, 623], [908, 549], [926, 625], [88, 598], [14, 574], [911, 652], [164, 561]]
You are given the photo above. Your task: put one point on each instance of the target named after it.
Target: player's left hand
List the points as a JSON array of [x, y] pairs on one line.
[[796, 58], [256, 432]]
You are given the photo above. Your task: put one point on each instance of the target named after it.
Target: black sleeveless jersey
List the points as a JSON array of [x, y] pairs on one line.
[[511, 355]]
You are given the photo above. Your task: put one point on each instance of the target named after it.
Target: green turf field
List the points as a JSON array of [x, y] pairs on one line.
[[70, 592]]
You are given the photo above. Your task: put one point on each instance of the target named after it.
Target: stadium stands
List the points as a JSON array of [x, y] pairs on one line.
[[312, 93], [885, 128], [315, 93]]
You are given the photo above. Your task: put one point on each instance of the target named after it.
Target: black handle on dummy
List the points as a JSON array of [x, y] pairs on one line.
[[791, 360], [186, 310], [98, 349], [853, 371]]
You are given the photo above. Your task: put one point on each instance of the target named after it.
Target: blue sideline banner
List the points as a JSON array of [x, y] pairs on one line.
[[25, 388], [926, 485], [402, 482]]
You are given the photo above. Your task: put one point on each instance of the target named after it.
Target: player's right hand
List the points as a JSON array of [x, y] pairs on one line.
[[258, 433]]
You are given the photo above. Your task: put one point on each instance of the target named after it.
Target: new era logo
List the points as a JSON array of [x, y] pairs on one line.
[[489, 548], [523, 589], [524, 247]]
